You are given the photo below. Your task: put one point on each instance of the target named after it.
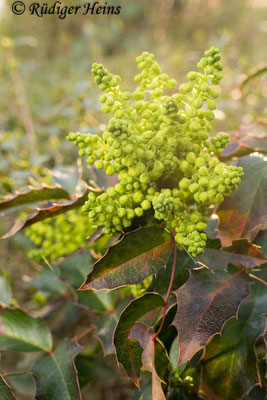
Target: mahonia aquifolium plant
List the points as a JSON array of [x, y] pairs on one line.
[[58, 236], [159, 146]]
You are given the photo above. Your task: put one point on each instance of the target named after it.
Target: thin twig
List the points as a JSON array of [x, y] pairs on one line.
[[258, 279], [84, 333], [164, 307], [26, 371]]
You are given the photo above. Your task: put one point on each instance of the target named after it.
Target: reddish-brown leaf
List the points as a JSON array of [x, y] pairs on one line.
[[48, 212], [241, 253], [151, 352], [136, 256], [205, 302], [244, 213], [244, 141], [30, 195]]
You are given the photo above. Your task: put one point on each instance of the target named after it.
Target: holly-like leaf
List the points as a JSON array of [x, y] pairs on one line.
[[205, 302], [31, 195], [183, 262], [241, 253], [229, 363], [244, 213], [138, 255], [21, 332], [48, 212], [55, 373], [154, 355], [5, 390], [129, 351]]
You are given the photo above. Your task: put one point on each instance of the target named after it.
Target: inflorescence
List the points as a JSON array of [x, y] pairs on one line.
[[159, 147]]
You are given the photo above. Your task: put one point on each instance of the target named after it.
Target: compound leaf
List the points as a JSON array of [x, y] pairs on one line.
[[55, 373], [139, 254]]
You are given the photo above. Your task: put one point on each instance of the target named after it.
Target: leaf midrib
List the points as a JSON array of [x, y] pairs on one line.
[[126, 262]]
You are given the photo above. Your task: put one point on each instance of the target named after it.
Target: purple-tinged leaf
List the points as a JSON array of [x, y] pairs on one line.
[[205, 302], [244, 213], [241, 253], [229, 362]]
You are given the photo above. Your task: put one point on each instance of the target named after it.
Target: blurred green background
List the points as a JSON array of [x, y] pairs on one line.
[[46, 91]]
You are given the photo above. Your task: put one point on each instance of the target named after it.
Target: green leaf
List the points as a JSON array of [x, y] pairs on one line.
[[48, 212], [31, 195], [162, 279], [92, 367], [129, 351], [101, 301], [261, 240], [66, 177], [21, 332], [229, 363], [205, 302], [241, 253], [138, 255], [5, 291], [55, 374], [5, 390], [244, 213], [49, 282], [75, 267], [106, 325], [154, 358]]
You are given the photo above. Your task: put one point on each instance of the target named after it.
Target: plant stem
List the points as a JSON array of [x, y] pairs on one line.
[[84, 333], [164, 307], [258, 279], [16, 373]]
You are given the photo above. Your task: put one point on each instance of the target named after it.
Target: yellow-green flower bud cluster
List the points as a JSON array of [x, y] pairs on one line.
[[191, 231], [218, 144], [159, 147], [166, 203], [89, 144], [58, 236]]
